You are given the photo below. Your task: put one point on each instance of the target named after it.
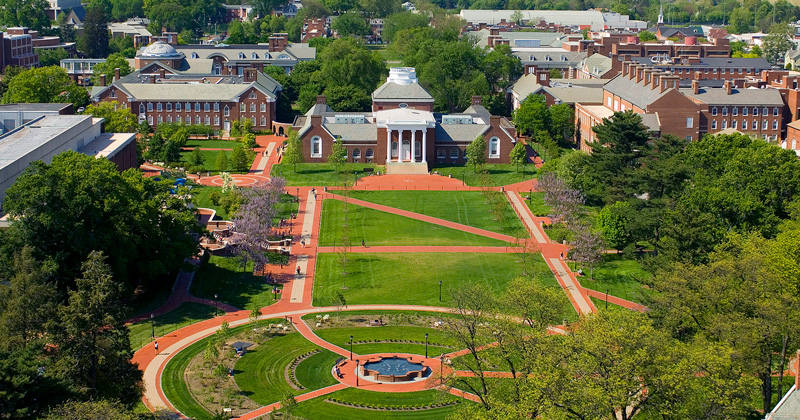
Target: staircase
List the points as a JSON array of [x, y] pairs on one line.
[[407, 168]]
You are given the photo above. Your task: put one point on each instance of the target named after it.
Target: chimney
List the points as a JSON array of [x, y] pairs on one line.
[[116, 74], [494, 121], [728, 87], [696, 86], [249, 75], [626, 68], [494, 31], [476, 100], [322, 99], [316, 120], [644, 75], [655, 79], [102, 80], [530, 69], [543, 77]]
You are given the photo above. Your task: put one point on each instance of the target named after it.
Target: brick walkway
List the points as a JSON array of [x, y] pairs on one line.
[[297, 301]]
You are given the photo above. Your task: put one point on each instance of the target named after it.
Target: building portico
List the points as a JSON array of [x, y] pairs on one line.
[[406, 134]]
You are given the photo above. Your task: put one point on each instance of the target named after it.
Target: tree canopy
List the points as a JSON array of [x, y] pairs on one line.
[[45, 85]]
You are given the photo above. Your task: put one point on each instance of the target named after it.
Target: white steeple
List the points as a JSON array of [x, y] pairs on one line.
[[661, 14]]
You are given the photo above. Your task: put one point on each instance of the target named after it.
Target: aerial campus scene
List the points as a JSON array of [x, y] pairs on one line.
[[380, 209]]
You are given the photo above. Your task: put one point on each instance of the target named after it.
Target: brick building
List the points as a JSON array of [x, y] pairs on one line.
[[16, 49], [159, 94], [402, 130]]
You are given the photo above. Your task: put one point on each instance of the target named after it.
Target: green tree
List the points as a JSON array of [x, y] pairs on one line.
[[264, 8], [222, 161], [501, 68], [338, 155], [647, 36], [113, 61], [379, 8], [68, 202], [293, 154], [27, 13], [348, 61], [397, 22], [196, 157], [562, 122], [612, 221], [83, 410], [476, 153], [45, 85], [778, 42], [518, 155], [239, 161], [740, 21], [452, 74], [350, 24], [348, 98], [94, 349], [117, 119], [51, 56], [95, 32], [532, 115]]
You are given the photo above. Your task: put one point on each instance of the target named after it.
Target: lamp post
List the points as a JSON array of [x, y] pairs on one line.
[[441, 367], [440, 290], [153, 325], [216, 304], [357, 364], [530, 195], [426, 345], [351, 348], [298, 195], [606, 298], [464, 177]]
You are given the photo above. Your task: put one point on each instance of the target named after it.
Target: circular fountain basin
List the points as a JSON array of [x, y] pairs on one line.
[[394, 369]]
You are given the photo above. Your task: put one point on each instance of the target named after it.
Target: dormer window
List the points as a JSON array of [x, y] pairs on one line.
[[241, 55], [266, 56], [254, 56], [252, 95], [194, 55]]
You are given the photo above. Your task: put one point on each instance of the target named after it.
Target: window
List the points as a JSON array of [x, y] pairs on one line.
[[178, 106], [690, 122], [206, 107], [714, 124], [252, 95], [744, 111], [149, 107], [316, 147], [417, 149], [253, 121], [141, 108], [242, 107], [160, 119], [724, 124], [356, 153], [227, 111], [733, 124], [714, 111], [188, 107], [263, 107], [724, 111], [616, 105], [216, 120], [197, 107], [159, 107], [608, 101], [252, 107], [744, 124], [169, 118], [441, 154], [194, 55], [394, 149], [740, 71], [188, 119], [207, 120], [764, 125], [150, 119], [494, 147], [263, 121], [113, 93], [774, 124], [766, 112], [454, 154], [254, 56], [755, 111], [169, 106], [241, 55], [178, 119], [774, 112], [735, 111], [755, 124], [688, 138], [216, 106], [197, 120]]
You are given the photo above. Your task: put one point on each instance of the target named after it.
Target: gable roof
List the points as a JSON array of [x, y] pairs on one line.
[[789, 406], [633, 92], [719, 96], [394, 91]]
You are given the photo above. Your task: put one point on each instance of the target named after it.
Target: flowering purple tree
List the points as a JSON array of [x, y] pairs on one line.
[[254, 219], [564, 200], [587, 246]]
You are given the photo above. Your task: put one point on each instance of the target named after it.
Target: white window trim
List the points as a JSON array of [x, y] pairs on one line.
[[315, 140]]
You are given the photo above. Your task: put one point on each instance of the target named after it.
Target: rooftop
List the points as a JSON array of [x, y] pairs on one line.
[[20, 142]]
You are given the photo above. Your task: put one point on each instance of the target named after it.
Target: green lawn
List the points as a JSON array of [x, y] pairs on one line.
[[260, 373], [623, 277], [186, 314], [379, 228], [224, 276], [210, 161], [318, 408], [201, 193], [413, 278], [438, 341], [320, 174], [212, 144], [536, 204], [465, 207], [499, 174]]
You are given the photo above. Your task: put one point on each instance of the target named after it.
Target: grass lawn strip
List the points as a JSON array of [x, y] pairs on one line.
[[211, 144], [389, 339], [318, 408], [499, 174], [186, 314], [320, 174], [224, 277], [378, 228], [413, 278], [464, 207], [622, 277], [210, 160]]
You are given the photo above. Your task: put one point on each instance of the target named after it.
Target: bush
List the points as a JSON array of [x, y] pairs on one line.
[[215, 197], [220, 371]]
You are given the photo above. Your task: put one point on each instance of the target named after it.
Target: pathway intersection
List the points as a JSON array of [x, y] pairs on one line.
[[299, 276]]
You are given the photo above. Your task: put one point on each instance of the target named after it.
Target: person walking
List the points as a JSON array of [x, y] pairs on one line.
[[364, 244], [156, 346]]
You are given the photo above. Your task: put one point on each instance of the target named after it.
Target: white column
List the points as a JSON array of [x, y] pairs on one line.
[[424, 145], [400, 146], [413, 145], [388, 145]]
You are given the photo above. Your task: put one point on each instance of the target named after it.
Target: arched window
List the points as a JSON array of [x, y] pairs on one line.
[[217, 69], [417, 149], [141, 108], [370, 154], [394, 149], [494, 147], [316, 147], [356, 153], [454, 154], [254, 56], [266, 56], [441, 154], [227, 111], [241, 55], [194, 55]]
